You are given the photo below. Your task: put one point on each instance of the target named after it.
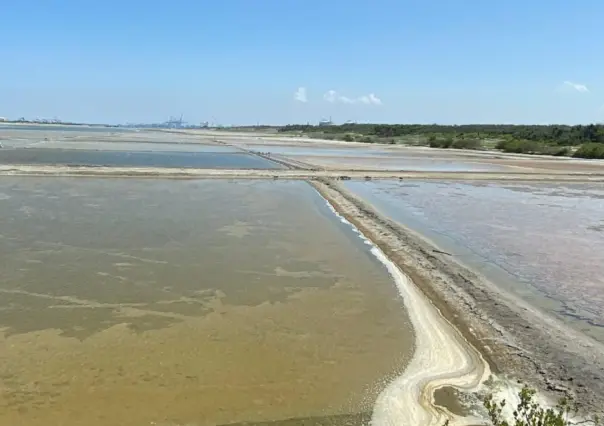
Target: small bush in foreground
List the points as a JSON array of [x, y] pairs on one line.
[[528, 412]]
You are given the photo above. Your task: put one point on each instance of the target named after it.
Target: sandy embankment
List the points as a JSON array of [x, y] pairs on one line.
[[516, 339], [297, 173], [442, 357]]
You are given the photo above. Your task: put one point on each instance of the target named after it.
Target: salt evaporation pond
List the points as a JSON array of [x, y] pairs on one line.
[[140, 302], [376, 158], [542, 241], [161, 158]]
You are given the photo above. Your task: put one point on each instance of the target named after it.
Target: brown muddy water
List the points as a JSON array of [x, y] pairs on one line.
[[544, 242], [155, 302]]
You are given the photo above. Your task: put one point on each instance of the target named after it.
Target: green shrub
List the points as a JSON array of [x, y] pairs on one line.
[[467, 144], [519, 146], [590, 150], [440, 143], [324, 136], [367, 139], [531, 147], [348, 137], [528, 412], [560, 151]]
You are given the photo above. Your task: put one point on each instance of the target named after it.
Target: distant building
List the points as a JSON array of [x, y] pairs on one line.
[[2, 119], [325, 122]]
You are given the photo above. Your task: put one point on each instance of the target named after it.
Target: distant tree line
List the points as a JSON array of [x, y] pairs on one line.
[[585, 141]]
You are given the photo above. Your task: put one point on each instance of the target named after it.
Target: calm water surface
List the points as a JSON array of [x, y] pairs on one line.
[[171, 159], [375, 159], [543, 241], [140, 302], [400, 162], [135, 146], [64, 128]]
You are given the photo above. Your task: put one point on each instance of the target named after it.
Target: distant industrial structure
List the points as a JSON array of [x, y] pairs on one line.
[[325, 122], [34, 121], [174, 122]]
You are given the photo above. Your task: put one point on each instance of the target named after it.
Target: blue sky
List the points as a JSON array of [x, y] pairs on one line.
[[282, 61]]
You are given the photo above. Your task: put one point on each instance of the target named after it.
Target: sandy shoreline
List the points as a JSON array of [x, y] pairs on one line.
[[516, 339]]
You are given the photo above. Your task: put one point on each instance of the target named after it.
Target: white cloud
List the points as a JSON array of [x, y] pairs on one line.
[[370, 99], [577, 86], [300, 95], [334, 97], [374, 99], [331, 96]]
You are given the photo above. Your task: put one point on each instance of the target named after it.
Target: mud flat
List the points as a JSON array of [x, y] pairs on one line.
[[516, 339], [540, 241]]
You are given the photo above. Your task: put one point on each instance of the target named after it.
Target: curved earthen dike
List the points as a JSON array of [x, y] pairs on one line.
[[441, 357], [514, 338]]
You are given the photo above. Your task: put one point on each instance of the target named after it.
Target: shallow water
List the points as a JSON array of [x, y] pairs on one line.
[[375, 158], [344, 151], [136, 146], [63, 128], [399, 162], [138, 302], [542, 241], [171, 159]]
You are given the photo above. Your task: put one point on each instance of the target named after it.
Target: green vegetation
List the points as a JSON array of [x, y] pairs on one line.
[[528, 412], [532, 147], [590, 150], [585, 141]]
